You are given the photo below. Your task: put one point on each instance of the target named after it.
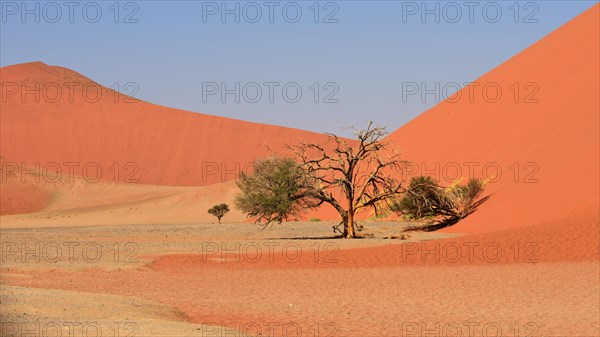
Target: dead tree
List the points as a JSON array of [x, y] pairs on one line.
[[352, 177]]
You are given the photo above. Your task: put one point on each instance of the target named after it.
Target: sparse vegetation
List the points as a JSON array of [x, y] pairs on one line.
[[278, 189], [219, 211], [444, 206], [314, 220], [350, 177]]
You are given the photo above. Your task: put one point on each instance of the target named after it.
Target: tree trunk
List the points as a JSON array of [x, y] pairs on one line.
[[349, 225]]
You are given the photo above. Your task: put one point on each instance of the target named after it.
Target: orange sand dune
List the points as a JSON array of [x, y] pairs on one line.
[[66, 203], [36, 198], [534, 266], [55, 115], [56, 120], [541, 150], [17, 198], [32, 198], [554, 140]]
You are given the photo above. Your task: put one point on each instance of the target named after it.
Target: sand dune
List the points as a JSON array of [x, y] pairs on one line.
[[56, 122], [17, 197], [528, 263], [49, 200], [60, 116], [538, 143], [554, 141]]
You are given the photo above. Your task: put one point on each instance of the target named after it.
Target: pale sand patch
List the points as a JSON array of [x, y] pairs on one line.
[[40, 312]]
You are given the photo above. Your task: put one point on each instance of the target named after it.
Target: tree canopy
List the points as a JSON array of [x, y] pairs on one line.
[[219, 211], [348, 176]]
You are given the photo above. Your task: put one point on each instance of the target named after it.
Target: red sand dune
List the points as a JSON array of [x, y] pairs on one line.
[[38, 198], [56, 120], [167, 146], [552, 281], [554, 141], [17, 198]]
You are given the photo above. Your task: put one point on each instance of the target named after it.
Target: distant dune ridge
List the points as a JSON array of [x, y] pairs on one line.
[[169, 146], [543, 133], [54, 119]]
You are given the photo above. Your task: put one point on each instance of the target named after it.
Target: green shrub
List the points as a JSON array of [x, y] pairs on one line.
[[425, 199], [219, 211]]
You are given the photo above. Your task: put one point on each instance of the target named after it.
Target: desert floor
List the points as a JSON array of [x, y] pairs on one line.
[[292, 279]]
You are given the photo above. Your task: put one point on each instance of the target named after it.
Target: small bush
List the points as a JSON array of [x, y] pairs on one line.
[[425, 199], [219, 211], [314, 220]]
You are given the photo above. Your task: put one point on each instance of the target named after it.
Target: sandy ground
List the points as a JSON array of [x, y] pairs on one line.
[[210, 280], [144, 260], [49, 312]]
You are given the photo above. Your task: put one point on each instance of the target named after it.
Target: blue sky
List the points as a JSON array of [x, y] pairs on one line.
[[360, 54]]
